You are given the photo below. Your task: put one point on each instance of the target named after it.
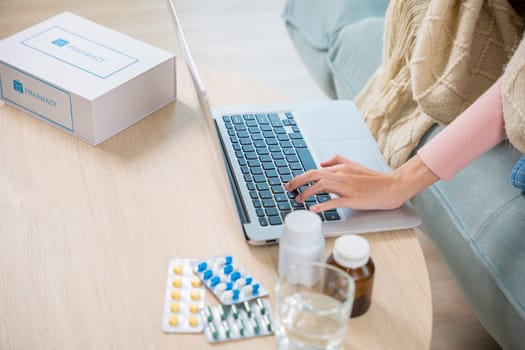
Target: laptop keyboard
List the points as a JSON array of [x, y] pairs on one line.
[[270, 151]]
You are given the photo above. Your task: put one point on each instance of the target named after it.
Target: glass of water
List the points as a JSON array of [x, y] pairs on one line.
[[314, 302]]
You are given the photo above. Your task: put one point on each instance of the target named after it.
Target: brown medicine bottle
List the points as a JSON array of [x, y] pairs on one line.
[[352, 254]]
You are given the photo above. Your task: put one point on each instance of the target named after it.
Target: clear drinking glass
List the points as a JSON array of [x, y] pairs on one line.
[[314, 301]]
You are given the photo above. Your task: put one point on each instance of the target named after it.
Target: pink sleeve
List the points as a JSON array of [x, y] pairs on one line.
[[479, 128]]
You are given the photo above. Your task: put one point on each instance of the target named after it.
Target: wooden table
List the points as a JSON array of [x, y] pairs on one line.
[[86, 232]]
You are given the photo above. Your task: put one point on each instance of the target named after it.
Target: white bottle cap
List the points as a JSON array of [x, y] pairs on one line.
[[351, 251], [302, 228]]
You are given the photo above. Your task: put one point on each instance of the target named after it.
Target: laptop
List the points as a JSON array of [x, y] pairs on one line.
[[265, 146]]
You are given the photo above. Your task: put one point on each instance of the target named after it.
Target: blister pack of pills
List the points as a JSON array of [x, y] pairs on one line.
[[237, 321], [184, 299], [227, 280]]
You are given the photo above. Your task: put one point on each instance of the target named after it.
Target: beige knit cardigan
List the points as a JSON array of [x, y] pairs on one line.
[[439, 56]]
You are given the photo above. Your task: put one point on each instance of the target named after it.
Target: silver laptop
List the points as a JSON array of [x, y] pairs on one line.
[[266, 146]]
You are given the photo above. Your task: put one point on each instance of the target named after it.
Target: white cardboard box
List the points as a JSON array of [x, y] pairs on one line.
[[83, 78]]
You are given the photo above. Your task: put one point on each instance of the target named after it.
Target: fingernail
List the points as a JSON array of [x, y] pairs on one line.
[[286, 186], [315, 208]]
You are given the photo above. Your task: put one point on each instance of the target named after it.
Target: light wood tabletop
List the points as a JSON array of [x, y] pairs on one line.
[[86, 232]]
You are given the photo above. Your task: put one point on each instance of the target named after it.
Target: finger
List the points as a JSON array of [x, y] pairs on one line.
[[331, 204], [323, 185], [337, 159], [303, 179]]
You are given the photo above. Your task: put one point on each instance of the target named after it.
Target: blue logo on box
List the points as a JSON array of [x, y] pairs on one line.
[[18, 86], [60, 42]]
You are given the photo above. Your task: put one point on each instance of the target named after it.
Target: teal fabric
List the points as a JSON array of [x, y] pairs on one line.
[[476, 220], [315, 25], [517, 177]]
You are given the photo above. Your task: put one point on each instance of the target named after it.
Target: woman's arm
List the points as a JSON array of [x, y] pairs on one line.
[[476, 130]]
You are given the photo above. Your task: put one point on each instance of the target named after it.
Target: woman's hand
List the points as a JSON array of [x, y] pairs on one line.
[[359, 187]]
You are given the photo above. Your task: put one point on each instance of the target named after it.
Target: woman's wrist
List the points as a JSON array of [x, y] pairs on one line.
[[412, 177]]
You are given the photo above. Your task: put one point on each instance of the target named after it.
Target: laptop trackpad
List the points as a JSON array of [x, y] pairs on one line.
[[362, 151]]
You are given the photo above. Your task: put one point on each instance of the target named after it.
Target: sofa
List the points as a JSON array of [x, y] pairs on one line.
[[477, 219]]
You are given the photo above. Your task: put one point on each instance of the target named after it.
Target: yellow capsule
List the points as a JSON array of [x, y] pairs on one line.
[[173, 320], [175, 294], [175, 307], [177, 269], [193, 321], [195, 295], [177, 282], [195, 282], [194, 308]]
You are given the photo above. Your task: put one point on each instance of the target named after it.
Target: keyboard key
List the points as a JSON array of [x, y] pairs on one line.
[[331, 215], [245, 141], [288, 115], [250, 185], [239, 154], [277, 155], [253, 129], [274, 148], [257, 137], [283, 171], [259, 178], [236, 146], [240, 127], [265, 195], [259, 143], [248, 116], [271, 173], [256, 203], [243, 134], [275, 120], [254, 195], [262, 150], [256, 170], [286, 178], [242, 161], [231, 132], [299, 143], [281, 197], [247, 178], [263, 222], [288, 151], [296, 205], [261, 118], [280, 162], [268, 166], [282, 137], [297, 172], [252, 124], [245, 170], [234, 139], [259, 212], [277, 189], [295, 136], [266, 127], [250, 155], [237, 119], [228, 125], [292, 122], [286, 144], [279, 130], [253, 163], [226, 118], [267, 203], [286, 122], [248, 148], [272, 211], [292, 159], [283, 206], [274, 220], [265, 158], [295, 128], [284, 213], [306, 159], [274, 181], [296, 166], [263, 186], [268, 134], [272, 141]]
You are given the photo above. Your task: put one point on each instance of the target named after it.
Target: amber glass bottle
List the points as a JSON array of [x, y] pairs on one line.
[[352, 254]]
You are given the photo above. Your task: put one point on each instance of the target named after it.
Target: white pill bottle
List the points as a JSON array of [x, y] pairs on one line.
[[302, 241]]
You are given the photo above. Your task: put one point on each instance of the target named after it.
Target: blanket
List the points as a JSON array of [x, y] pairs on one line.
[[439, 56]]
